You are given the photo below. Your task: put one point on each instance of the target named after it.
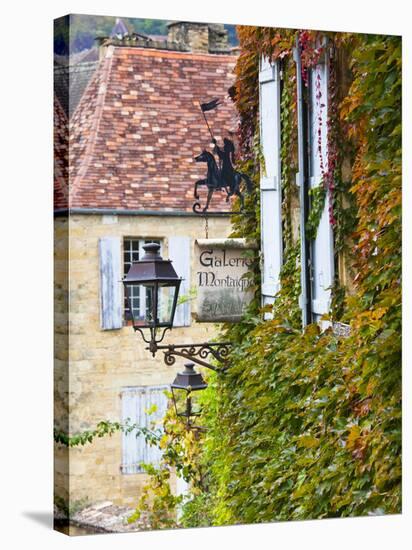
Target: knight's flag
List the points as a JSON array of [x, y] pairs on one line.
[[209, 106]]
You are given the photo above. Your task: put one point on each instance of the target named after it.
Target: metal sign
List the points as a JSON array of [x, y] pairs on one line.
[[223, 286], [221, 174]]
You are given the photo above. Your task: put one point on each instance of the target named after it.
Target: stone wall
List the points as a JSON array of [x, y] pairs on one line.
[[92, 365], [199, 37], [218, 38]]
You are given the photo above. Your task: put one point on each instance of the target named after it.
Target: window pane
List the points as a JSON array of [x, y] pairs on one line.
[[141, 298]]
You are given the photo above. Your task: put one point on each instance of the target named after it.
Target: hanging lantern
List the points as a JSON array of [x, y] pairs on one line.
[[151, 288], [183, 386]]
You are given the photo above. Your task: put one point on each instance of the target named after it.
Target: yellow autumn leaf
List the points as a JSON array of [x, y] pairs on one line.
[[353, 436], [308, 441], [301, 491]]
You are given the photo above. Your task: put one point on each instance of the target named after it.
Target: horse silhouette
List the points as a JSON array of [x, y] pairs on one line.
[[218, 179]]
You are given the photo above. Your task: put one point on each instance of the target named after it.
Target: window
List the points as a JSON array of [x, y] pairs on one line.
[[317, 255], [270, 184], [114, 312], [145, 406], [132, 250], [321, 247]]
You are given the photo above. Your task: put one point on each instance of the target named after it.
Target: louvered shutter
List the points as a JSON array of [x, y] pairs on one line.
[[135, 402], [110, 283], [133, 405], [179, 253], [322, 246], [270, 188]]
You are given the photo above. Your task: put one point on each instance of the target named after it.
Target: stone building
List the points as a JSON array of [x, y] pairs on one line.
[[124, 174]]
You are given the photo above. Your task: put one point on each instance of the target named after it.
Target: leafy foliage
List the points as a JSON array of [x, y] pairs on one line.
[[318, 196], [75, 33], [103, 428], [309, 425], [306, 424], [158, 505]]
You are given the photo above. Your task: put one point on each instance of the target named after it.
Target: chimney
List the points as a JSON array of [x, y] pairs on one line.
[[199, 37]]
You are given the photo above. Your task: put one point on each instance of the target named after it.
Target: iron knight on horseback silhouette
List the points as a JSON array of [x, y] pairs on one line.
[[221, 175]]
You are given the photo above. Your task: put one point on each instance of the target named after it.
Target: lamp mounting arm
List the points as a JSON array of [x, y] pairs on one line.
[[198, 353], [153, 342]]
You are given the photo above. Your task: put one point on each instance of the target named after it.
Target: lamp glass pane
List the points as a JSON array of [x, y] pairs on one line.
[[165, 303], [179, 399], [138, 298], [186, 403], [141, 302]]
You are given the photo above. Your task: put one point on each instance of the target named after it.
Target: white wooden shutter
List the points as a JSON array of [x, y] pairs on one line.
[[110, 283], [270, 188], [179, 253], [302, 182], [322, 246], [135, 402], [155, 396], [132, 446]]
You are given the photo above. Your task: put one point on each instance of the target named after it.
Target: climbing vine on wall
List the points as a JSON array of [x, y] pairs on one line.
[[104, 428], [308, 425], [159, 504]]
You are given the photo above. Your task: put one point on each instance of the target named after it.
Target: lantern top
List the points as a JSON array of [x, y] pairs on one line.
[[151, 268], [189, 380], [152, 252]]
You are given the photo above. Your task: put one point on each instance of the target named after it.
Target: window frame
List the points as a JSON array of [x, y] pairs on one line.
[[142, 296], [321, 248]]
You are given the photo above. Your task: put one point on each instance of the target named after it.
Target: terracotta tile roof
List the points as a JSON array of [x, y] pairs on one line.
[[85, 56], [138, 126], [61, 155], [70, 82]]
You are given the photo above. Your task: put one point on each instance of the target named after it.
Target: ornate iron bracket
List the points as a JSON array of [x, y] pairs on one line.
[[198, 353], [153, 342]]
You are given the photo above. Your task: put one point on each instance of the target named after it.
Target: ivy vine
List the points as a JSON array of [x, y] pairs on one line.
[[306, 424], [309, 425], [104, 428]]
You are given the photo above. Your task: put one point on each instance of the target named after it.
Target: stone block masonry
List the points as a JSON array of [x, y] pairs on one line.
[[93, 365]]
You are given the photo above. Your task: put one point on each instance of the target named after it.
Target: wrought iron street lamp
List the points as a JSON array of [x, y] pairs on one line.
[[183, 386], [161, 285]]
